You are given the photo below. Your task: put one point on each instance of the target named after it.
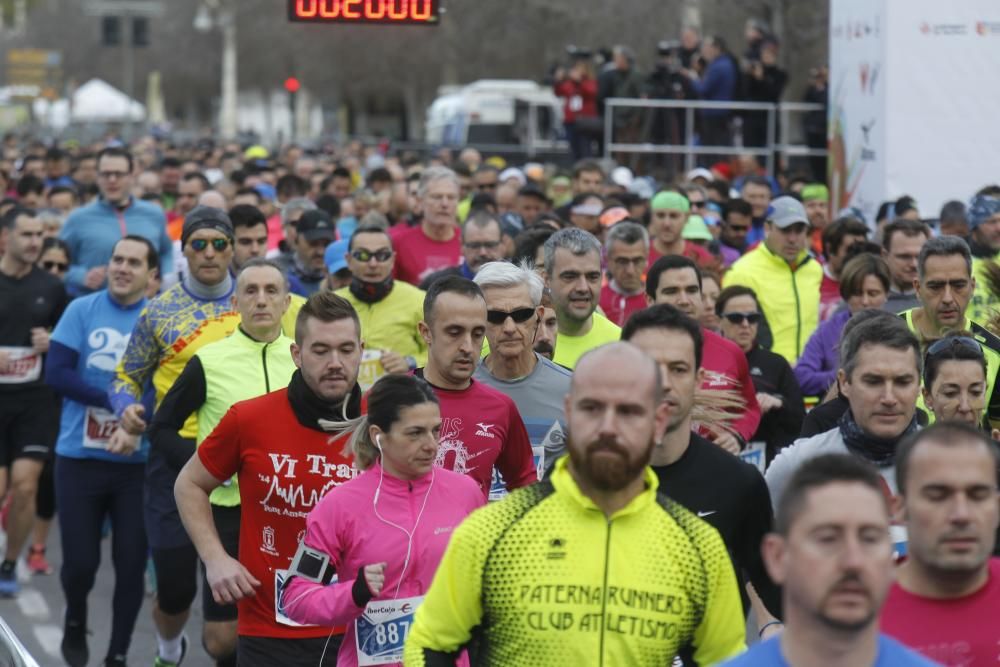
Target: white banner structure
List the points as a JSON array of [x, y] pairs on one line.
[[914, 88]]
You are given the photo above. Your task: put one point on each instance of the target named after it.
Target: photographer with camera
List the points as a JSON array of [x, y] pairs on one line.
[[577, 87], [668, 82]]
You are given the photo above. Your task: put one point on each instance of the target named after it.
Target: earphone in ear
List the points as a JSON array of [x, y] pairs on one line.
[[378, 442]]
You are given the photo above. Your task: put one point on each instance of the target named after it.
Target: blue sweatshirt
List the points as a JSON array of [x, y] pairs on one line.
[[92, 231]]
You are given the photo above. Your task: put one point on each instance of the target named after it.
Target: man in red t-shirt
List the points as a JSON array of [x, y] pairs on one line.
[[838, 238], [480, 426], [945, 602], [627, 251], [286, 460], [669, 213], [434, 244], [676, 280]]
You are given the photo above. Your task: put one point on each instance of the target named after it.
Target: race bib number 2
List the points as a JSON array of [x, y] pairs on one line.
[[381, 630]]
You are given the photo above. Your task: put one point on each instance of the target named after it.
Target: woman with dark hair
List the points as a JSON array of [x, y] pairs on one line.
[[955, 379], [864, 283], [383, 533], [55, 257], [778, 393]]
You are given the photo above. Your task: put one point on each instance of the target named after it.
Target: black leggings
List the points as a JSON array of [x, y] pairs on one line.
[[89, 491], [45, 497]]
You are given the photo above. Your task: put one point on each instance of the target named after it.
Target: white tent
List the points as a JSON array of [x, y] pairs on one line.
[[98, 101]]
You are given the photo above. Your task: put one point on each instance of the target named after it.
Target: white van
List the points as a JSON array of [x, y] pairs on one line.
[[494, 112]]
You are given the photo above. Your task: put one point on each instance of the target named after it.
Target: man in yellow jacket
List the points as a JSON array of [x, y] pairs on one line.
[[784, 276], [388, 309], [592, 566]]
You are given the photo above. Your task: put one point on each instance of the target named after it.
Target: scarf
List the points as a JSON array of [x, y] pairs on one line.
[[309, 408], [880, 452], [370, 292]]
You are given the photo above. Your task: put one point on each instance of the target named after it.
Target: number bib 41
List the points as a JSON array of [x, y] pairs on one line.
[[381, 630]]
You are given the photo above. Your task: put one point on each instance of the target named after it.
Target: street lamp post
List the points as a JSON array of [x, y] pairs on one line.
[[221, 14]]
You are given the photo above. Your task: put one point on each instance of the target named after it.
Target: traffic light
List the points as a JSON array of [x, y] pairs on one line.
[[292, 84]]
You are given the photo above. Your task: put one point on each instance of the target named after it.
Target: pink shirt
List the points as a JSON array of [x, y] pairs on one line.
[[964, 631], [418, 256], [345, 526]]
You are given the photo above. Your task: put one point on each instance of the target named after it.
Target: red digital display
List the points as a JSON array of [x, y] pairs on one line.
[[413, 12]]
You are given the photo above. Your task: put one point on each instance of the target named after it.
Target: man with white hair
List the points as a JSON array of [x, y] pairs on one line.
[[434, 244], [537, 385]]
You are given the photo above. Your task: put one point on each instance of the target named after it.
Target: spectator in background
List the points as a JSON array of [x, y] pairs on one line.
[[838, 239], [778, 393], [690, 49], [717, 84], [764, 82], [814, 122], [902, 241], [627, 251], [621, 80], [737, 218], [865, 284], [578, 90]]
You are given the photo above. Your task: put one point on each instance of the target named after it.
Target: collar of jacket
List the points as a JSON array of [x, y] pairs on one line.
[[564, 483], [242, 338], [803, 258]]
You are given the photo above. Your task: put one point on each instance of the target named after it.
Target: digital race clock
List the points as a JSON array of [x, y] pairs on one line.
[[413, 12]]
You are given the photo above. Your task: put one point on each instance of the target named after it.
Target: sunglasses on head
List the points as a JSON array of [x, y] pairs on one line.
[[48, 266], [500, 316], [365, 255], [218, 245], [738, 318], [952, 342]]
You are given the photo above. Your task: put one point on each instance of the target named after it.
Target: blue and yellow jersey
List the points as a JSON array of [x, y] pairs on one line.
[[167, 334], [545, 578]]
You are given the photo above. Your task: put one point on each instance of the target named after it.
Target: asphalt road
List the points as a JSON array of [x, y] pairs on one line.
[[36, 616]]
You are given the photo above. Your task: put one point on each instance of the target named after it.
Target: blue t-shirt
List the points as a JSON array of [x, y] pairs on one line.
[[97, 329], [890, 654]]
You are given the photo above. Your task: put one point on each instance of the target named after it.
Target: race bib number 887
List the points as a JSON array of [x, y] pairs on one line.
[[381, 630]]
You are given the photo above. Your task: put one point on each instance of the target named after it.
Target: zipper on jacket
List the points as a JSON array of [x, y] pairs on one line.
[[798, 317], [604, 597], [263, 360]]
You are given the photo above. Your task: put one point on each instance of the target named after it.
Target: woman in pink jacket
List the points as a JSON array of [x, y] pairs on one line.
[[384, 532]]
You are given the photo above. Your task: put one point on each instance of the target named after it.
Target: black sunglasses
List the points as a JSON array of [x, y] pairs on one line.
[[218, 245], [737, 318], [48, 266], [500, 316], [951, 342], [365, 255]]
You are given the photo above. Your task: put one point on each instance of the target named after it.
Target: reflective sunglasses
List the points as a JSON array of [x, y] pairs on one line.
[[738, 318], [48, 266], [951, 342], [519, 316], [218, 245], [366, 255]]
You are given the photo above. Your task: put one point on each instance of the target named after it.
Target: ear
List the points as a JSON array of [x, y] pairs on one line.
[[288, 302], [916, 283], [928, 399], [661, 419], [774, 551], [650, 301], [700, 376], [843, 383], [898, 507], [296, 354], [425, 332]]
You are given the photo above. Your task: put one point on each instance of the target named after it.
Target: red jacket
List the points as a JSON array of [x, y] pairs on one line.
[[579, 98]]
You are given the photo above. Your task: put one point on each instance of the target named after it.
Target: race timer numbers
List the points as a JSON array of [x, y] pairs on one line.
[[410, 12]]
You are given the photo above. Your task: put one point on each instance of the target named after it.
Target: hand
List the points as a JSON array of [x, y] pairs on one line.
[[122, 442], [132, 419], [995, 434], [724, 439], [769, 402], [39, 340], [4, 360], [394, 363], [229, 580], [95, 277], [375, 577]]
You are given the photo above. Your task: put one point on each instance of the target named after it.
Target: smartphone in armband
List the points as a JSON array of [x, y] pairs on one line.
[[312, 564]]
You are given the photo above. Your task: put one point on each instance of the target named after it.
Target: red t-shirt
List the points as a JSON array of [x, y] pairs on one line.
[[829, 297], [481, 428], [617, 306], [726, 368], [964, 631], [701, 257], [284, 469], [418, 256]]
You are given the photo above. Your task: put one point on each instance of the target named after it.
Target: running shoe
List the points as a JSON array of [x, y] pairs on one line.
[[9, 587], [37, 562], [160, 662], [74, 644]]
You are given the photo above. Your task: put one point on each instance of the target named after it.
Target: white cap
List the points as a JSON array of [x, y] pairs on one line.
[[700, 172], [513, 172], [622, 176]]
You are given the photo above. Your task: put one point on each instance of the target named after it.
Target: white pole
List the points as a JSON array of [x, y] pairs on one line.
[[227, 113]]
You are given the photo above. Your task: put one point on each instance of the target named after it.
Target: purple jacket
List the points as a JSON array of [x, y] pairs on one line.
[[817, 367]]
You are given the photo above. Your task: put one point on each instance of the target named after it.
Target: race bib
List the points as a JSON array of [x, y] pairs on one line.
[[23, 365], [371, 368], [575, 103], [98, 425], [498, 488], [755, 454], [280, 579], [380, 632]]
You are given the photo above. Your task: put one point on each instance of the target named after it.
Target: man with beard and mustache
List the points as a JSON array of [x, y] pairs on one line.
[[729, 494], [832, 555], [286, 452], [481, 428], [948, 586], [591, 565]]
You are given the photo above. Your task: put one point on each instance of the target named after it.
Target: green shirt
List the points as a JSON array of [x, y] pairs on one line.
[[569, 349]]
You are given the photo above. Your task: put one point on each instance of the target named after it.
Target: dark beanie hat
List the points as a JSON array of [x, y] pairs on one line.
[[206, 217]]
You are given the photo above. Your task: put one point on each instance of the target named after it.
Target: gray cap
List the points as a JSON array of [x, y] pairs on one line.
[[786, 211]]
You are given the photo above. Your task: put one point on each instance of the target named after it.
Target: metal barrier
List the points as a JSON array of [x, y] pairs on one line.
[[689, 149]]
